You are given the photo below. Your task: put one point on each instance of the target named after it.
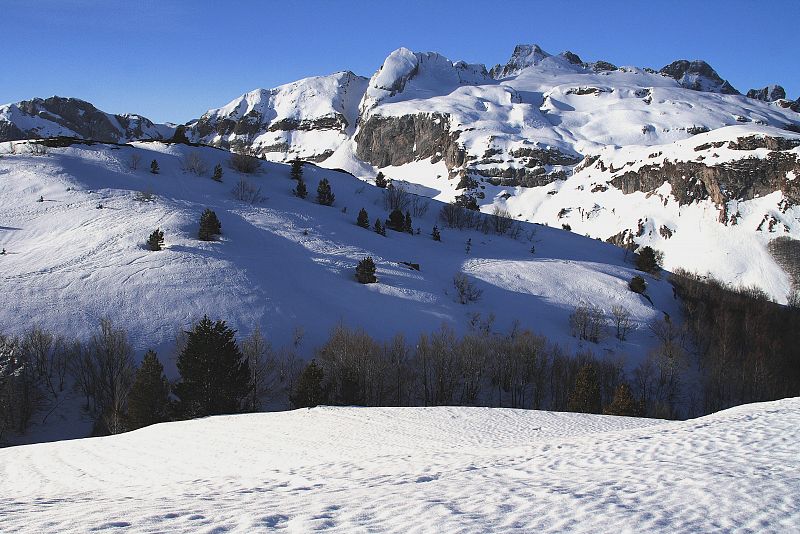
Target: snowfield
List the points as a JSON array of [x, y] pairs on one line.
[[417, 470]]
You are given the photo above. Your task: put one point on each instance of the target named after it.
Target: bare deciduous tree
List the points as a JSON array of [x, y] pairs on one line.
[[244, 163], [247, 192], [622, 321], [466, 289], [194, 163]]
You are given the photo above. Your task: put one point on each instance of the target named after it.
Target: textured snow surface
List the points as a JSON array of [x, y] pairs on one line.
[[417, 470]]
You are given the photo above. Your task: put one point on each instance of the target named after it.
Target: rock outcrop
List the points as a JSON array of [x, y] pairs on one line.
[[770, 93], [698, 76]]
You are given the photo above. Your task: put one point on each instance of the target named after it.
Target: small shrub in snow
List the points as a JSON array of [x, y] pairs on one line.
[[36, 149], [566, 227], [324, 194], [195, 164], [637, 284], [435, 233], [244, 163], [209, 226], [247, 192], [396, 197], [156, 240], [466, 289], [365, 271], [144, 196], [133, 162], [363, 219], [40, 199], [217, 175], [300, 190], [154, 167]]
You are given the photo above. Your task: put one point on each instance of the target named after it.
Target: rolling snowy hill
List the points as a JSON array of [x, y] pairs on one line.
[[417, 470], [281, 264]]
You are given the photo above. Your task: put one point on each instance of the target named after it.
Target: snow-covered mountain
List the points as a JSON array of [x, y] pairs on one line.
[[675, 158], [71, 117], [417, 470]]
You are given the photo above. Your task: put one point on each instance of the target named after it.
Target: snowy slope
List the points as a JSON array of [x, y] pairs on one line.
[[281, 264], [417, 470]]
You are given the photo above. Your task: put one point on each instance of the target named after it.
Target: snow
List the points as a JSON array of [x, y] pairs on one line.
[[417, 470], [282, 264]]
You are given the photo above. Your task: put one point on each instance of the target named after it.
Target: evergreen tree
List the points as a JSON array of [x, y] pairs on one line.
[[363, 219], [649, 260], [585, 398], [435, 234], [156, 240], [297, 170], [407, 224], [215, 377], [624, 403], [300, 190], [154, 167], [324, 194], [380, 181], [379, 229], [396, 221], [209, 226], [365, 271], [309, 391], [467, 201], [217, 176], [149, 395]]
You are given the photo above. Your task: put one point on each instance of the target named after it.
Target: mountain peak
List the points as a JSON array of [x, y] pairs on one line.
[[524, 55], [770, 93]]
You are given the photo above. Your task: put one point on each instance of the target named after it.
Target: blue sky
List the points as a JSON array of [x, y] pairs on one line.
[[172, 60]]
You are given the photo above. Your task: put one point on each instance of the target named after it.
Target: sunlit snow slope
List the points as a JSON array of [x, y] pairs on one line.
[[417, 470], [280, 264]]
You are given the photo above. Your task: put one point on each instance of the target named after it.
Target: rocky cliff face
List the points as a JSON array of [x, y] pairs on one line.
[[71, 117], [744, 179], [770, 93]]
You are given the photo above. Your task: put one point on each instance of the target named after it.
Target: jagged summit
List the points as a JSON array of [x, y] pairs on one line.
[[524, 55], [698, 75], [770, 93]]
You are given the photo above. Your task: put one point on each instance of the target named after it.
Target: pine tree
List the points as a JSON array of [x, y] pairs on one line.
[[149, 396], [156, 240], [396, 221], [407, 224], [209, 226], [435, 233], [649, 260], [217, 176], [624, 403], [215, 377], [297, 170], [154, 167], [380, 180], [363, 219], [324, 194], [309, 391], [379, 229], [585, 398], [365, 271], [300, 190]]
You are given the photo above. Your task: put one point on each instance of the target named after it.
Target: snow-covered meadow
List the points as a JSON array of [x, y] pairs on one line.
[[417, 470]]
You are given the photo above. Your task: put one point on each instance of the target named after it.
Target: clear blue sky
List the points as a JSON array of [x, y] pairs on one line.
[[172, 60]]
